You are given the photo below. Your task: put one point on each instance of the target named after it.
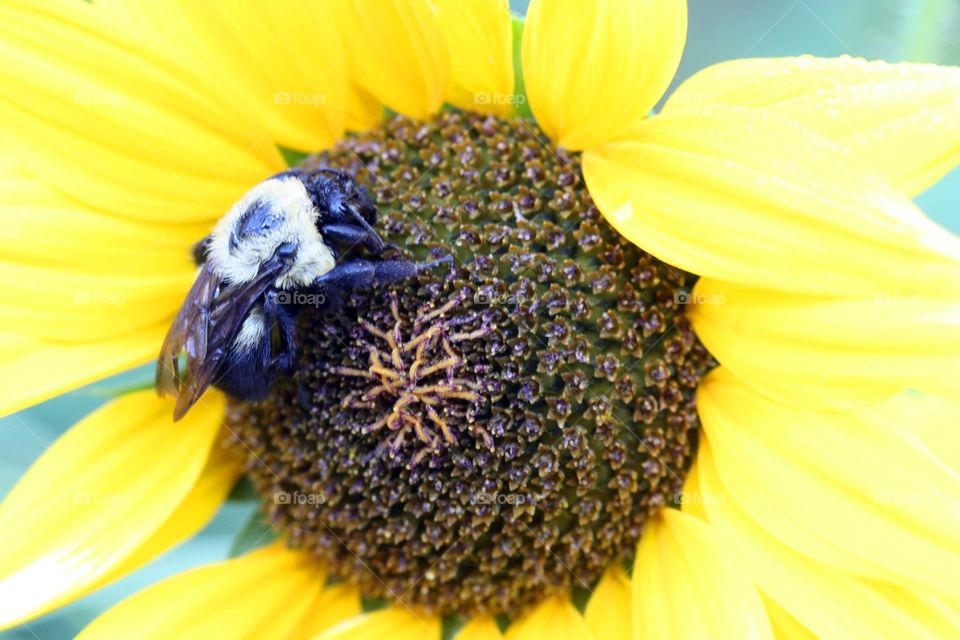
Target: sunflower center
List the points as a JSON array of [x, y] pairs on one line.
[[481, 437]]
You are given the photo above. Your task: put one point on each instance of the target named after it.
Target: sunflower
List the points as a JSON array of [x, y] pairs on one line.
[[692, 375]]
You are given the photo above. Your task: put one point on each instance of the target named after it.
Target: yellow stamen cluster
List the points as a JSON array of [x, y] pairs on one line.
[[417, 385]]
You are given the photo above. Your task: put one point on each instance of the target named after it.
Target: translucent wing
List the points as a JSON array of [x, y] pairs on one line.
[[205, 329], [188, 332]]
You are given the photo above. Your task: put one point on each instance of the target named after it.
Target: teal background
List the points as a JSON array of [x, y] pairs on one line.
[[894, 30]]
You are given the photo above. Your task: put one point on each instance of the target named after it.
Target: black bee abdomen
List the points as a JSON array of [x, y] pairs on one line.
[[246, 375]]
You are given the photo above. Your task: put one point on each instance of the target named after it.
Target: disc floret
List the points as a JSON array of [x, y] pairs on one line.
[[484, 436]]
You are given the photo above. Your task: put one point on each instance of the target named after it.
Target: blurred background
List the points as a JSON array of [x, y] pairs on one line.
[[893, 30]]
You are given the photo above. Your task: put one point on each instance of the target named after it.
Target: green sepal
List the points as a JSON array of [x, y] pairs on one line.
[[291, 156], [368, 605], [255, 533], [450, 626], [519, 87], [243, 491]]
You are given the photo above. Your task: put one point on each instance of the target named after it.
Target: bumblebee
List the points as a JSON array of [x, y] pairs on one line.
[[290, 238]]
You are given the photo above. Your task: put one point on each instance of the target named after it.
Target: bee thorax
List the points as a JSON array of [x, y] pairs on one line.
[[274, 213]]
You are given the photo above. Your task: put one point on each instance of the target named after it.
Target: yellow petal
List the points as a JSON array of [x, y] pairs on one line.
[[397, 52], [555, 618], [686, 585], [92, 299], [95, 497], [934, 433], [827, 352], [480, 628], [396, 623], [826, 600], [130, 126], [34, 370], [287, 60], [332, 606], [752, 198], [901, 121], [608, 612], [264, 594], [479, 37], [785, 626], [80, 238], [692, 498], [844, 489], [363, 110], [46, 301], [197, 508], [934, 611], [593, 70]]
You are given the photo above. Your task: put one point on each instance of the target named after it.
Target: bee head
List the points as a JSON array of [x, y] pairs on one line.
[[274, 220], [339, 197]]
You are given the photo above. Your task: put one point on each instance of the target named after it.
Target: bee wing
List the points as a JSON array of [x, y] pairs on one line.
[[188, 331], [208, 335]]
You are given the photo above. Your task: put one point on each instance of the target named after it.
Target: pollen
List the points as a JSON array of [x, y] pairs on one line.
[[484, 436], [412, 381]]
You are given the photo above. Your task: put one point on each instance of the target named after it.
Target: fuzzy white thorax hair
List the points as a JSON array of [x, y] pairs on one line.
[[253, 331], [298, 225]]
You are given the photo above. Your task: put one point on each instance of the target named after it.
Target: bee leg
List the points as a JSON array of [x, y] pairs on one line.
[[347, 236], [366, 274], [284, 315]]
